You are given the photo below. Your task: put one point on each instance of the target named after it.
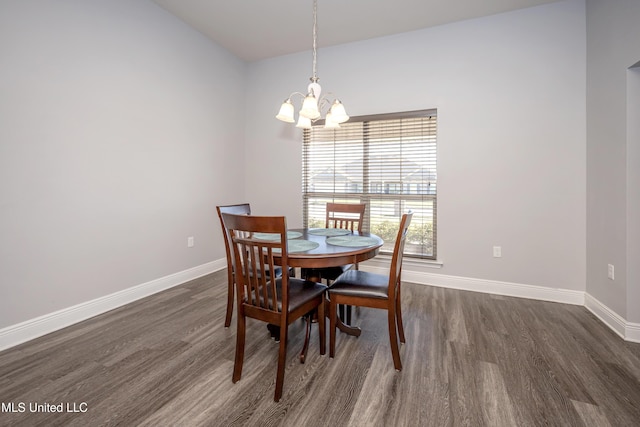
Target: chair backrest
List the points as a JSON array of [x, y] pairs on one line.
[[239, 209], [395, 272], [261, 296], [345, 215]]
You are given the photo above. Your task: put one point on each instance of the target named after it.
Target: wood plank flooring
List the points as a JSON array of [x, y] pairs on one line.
[[471, 359]]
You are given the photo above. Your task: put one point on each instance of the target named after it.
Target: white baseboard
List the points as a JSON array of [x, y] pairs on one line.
[[626, 330], [34, 328], [632, 332], [565, 296]]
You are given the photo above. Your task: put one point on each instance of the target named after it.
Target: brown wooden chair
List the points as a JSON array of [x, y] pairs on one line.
[[239, 209], [348, 216], [365, 289], [278, 301]]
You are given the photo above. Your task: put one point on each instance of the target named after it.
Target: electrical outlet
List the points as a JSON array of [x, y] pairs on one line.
[[611, 272], [497, 251], [190, 242]]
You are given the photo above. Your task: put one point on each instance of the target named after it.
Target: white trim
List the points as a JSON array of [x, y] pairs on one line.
[[626, 330], [632, 332], [407, 262], [565, 296], [609, 317], [34, 328]]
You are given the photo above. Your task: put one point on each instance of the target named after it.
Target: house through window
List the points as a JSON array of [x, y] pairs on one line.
[[386, 161]]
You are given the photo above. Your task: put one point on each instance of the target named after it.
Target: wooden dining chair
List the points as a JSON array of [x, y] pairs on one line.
[[239, 209], [349, 216], [274, 300], [365, 289]]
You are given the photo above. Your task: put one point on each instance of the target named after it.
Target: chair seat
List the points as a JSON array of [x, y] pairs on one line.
[[361, 283], [300, 292]]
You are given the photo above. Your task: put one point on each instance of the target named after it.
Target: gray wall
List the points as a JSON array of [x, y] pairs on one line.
[[510, 94], [613, 40], [116, 125]]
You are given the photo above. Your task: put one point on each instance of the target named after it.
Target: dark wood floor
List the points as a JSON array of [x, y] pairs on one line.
[[471, 359]]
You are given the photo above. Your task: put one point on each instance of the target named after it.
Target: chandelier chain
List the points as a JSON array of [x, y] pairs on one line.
[[314, 77]]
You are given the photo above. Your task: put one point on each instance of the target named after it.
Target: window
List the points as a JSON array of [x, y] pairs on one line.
[[386, 161]]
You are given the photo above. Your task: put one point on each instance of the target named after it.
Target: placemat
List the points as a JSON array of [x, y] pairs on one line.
[[329, 231], [352, 241], [299, 245], [272, 237]]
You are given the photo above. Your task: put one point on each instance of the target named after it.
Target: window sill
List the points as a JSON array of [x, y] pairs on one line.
[[406, 261]]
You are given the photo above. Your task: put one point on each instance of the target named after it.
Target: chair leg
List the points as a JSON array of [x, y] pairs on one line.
[[332, 328], [344, 313], [399, 317], [307, 337], [240, 338], [230, 296], [274, 332], [282, 360], [393, 338], [321, 326]]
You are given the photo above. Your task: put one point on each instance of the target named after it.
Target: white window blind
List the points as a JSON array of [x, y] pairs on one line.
[[386, 161]]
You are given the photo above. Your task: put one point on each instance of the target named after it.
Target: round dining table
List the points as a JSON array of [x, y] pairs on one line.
[[314, 248], [330, 247]]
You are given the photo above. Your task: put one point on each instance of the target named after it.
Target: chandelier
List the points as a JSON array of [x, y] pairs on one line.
[[313, 103]]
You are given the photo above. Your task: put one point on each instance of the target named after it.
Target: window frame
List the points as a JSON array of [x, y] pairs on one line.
[[368, 184]]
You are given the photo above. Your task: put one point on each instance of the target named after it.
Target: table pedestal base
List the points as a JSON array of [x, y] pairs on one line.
[[311, 318]]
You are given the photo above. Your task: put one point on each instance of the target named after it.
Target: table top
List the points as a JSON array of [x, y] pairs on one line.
[[333, 251]]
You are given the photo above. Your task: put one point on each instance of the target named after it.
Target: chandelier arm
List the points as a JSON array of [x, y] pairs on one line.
[[323, 102], [329, 95], [328, 98], [297, 93]]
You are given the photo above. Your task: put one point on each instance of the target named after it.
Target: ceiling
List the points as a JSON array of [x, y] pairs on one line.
[[259, 29]]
